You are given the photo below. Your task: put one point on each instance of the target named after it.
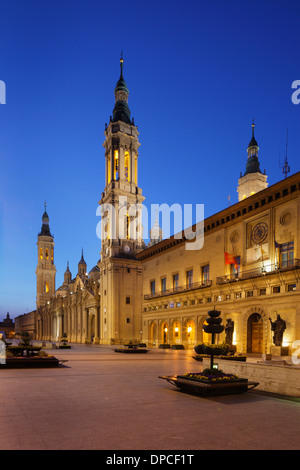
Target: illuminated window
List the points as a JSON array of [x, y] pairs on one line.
[[116, 165], [127, 166], [135, 170], [287, 254], [46, 287], [189, 278], [235, 269], [163, 284], [205, 274], [175, 281], [108, 170], [41, 253], [127, 227], [47, 253], [52, 255]]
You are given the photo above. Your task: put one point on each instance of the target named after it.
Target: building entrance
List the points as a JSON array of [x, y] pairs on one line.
[[255, 334]]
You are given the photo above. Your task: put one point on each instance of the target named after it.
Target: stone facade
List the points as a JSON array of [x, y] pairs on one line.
[[248, 267], [262, 232]]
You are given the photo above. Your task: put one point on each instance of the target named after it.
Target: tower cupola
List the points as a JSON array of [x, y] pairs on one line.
[[253, 179], [45, 230], [252, 165], [121, 110]]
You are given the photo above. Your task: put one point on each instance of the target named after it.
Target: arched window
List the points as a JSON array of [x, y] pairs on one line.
[[46, 287], [116, 165], [127, 166]]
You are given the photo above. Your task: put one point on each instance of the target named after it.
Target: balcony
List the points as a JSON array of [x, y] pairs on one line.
[[261, 271], [178, 290]]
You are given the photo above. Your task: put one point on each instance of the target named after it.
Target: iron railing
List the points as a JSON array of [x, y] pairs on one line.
[[261, 271], [178, 289]]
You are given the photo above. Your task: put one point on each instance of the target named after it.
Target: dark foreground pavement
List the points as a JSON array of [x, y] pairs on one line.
[[106, 400]]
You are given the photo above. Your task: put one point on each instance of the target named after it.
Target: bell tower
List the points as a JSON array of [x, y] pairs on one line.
[[122, 237], [122, 198], [45, 271], [253, 179]]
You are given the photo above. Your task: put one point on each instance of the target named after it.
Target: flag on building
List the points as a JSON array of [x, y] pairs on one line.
[[230, 259]]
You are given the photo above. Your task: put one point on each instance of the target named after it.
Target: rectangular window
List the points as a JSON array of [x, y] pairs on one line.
[[238, 295], [235, 269], [249, 293], [228, 296], [205, 274], [127, 300], [175, 281], [127, 320], [152, 287], [291, 287], [287, 254], [276, 289], [163, 283], [189, 278], [262, 291]]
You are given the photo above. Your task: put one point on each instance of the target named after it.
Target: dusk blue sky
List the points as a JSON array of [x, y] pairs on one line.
[[198, 72]]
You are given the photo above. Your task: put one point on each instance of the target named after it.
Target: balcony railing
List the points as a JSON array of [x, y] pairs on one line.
[[261, 271], [179, 289]]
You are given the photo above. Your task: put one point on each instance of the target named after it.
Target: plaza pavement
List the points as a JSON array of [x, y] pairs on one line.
[[101, 399]]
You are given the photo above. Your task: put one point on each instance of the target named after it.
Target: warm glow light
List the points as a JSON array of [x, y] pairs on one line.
[[166, 330], [176, 328], [189, 329]]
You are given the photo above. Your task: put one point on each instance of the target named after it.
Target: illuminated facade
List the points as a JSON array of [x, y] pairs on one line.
[[160, 294]]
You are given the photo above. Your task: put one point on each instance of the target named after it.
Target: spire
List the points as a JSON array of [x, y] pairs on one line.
[[121, 84], [45, 231], [156, 234], [252, 165], [252, 142], [82, 258], [121, 110], [67, 275]]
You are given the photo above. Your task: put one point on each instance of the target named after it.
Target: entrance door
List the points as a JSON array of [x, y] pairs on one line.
[[255, 334]]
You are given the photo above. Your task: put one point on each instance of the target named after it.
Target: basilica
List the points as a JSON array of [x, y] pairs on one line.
[[160, 293]]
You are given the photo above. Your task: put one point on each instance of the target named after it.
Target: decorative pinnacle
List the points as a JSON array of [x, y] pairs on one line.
[[121, 63]]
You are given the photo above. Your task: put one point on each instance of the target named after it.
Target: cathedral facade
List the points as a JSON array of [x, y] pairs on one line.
[[248, 267]]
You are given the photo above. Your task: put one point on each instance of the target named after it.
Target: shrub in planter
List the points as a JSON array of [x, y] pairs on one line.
[[64, 344]]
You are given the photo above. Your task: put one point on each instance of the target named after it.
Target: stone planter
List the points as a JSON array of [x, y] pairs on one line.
[[209, 388], [131, 350], [30, 362], [200, 357], [214, 351]]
